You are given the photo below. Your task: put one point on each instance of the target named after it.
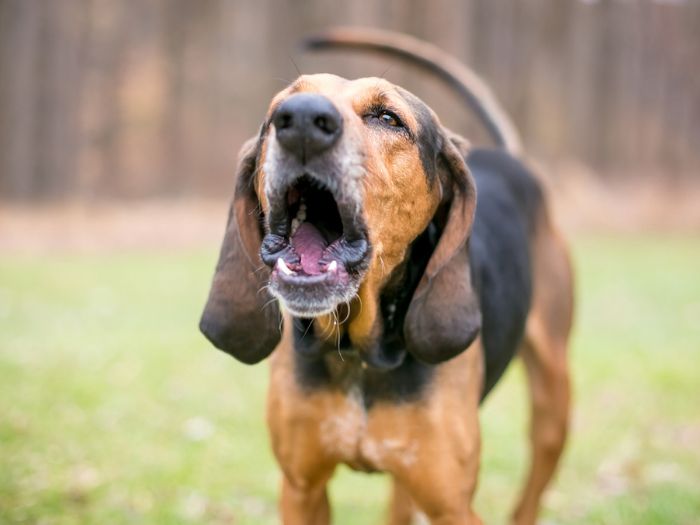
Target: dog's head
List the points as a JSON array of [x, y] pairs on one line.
[[343, 178]]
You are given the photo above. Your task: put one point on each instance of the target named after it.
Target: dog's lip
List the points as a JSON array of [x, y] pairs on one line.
[[333, 271], [350, 211], [342, 255], [350, 251], [311, 295]]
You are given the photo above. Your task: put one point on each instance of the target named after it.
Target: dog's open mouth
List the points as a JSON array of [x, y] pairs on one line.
[[317, 248]]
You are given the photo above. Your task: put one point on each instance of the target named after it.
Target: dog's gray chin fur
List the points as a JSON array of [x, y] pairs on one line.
[[311, 309]]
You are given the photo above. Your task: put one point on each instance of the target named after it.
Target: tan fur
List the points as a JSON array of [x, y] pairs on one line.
[[397, 201], [313, 432], [431, 446], [544, 355]]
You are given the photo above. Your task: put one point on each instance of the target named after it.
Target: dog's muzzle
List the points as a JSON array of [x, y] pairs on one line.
[[317, 243]]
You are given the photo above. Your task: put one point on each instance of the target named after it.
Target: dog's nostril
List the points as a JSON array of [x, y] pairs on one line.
[[283, 121], [326, 123]]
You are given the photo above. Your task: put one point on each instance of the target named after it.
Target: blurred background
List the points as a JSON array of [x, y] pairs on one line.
[[119, 127], [151, 99]]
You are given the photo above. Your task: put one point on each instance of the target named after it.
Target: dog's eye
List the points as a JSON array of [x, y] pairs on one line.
[[385, 118], [389, 119]]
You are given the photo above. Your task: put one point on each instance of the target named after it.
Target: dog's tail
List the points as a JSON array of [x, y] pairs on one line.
[[459, 77]]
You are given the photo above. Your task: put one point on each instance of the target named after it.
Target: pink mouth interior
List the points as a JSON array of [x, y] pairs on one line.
[[309, 245]]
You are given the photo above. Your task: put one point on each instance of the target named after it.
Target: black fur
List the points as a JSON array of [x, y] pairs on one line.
[[508, 200], [406, 380], [429, 139]]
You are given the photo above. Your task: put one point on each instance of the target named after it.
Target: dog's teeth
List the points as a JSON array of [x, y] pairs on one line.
[[282, 267], [332, 267], [295, 225], [301, 214]]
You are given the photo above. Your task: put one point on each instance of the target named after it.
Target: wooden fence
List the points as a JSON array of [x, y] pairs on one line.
[[139, 98]]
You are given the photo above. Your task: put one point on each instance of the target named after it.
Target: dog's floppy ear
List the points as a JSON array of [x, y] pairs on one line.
[[444, 315], [237, 317]]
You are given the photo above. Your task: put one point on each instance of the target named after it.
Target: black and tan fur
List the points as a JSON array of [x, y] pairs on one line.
[[460, 268]]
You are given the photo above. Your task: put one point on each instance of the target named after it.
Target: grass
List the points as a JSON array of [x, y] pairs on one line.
[[113, 409]]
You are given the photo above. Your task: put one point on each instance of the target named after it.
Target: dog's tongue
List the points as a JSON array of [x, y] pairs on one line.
[[309, 244]]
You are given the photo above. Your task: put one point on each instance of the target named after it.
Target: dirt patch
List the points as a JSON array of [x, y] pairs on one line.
[[108, 226], [586, 203], [581, 204]]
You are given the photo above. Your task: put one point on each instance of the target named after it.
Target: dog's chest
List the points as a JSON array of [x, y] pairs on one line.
[[366, 438], [321, 367], [331, 419], [360, 416]]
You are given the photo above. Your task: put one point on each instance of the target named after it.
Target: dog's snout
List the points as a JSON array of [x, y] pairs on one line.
[[307, 124]]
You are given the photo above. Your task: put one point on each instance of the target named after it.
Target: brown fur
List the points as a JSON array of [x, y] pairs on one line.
[[431, 446], [397, 201]]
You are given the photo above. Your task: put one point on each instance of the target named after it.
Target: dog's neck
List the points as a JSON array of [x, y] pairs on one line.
[[331, 337]]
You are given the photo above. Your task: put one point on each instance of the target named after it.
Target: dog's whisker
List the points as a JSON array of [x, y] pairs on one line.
[[295, 65], [285, 81], [337, 334], [307, 330], [388, 68], [357, 296], [347, 312], [268, 303], [327, 330], [256, 210]]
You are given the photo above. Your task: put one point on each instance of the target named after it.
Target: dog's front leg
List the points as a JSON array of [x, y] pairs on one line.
[[296, 423], [305, 501], [431, 447], [306, 468]]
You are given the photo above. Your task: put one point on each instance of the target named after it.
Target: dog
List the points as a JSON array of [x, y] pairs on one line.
[[391, 271]]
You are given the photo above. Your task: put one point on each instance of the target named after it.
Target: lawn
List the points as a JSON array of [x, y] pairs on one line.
[[113, 409]]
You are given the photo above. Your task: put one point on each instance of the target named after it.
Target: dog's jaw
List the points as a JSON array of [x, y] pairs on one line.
[[316, 243]]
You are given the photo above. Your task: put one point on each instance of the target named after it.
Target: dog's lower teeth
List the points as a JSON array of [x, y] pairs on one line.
[[282, 267], [295, 225]]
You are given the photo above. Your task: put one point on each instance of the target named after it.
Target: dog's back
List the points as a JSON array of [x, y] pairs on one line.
[[508, 200]]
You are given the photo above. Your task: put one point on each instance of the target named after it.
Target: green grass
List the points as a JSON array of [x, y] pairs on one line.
[[113, 409]]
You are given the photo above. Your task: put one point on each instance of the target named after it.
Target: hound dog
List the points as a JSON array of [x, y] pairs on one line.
[[392, 272]]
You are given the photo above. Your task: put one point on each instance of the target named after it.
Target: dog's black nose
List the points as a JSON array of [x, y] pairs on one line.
[[307, 124]]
